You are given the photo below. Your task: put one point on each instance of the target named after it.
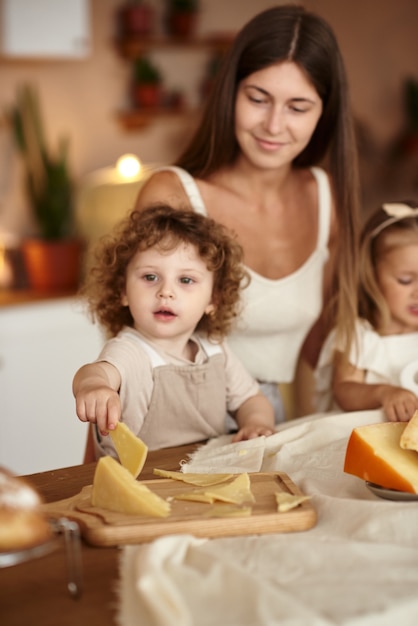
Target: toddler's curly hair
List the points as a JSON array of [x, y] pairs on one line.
[[163, 227]]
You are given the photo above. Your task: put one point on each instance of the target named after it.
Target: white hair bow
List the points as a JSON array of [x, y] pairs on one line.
[[397, 211]]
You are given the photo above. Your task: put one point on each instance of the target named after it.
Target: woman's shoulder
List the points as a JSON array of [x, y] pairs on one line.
[[163, 186]]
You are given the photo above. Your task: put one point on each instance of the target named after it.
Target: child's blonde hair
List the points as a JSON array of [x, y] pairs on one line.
[[391, 226], [165, 228]]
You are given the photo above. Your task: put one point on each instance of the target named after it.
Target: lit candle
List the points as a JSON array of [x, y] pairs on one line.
[[128, 166]]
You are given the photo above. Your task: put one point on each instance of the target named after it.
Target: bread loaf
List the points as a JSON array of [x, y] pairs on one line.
[[22, 525]]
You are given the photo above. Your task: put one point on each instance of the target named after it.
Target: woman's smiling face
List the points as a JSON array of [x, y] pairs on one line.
[[276, 112]]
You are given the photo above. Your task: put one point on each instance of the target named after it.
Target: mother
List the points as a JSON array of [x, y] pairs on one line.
[[279, 108]]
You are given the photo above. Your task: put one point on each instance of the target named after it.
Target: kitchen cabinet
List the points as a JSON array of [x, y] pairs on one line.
[[42, 344], [131, 47], [45, 28]]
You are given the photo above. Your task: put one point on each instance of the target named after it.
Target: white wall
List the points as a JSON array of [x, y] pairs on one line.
[[41, 347]]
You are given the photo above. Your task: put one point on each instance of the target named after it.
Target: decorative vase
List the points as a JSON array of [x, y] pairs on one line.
[[53, 265]]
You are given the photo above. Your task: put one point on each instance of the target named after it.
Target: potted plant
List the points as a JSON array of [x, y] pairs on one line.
[[135, 17], [181, 17], [53, 256], [146, 87]]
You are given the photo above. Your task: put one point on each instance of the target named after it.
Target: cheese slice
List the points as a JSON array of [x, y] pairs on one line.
[[132, 451], [236, 492], [200, 480], [115, 489], [288, 501], [374, 454], [409, 437]]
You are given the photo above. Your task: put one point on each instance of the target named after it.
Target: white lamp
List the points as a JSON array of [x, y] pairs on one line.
[[106, 195]]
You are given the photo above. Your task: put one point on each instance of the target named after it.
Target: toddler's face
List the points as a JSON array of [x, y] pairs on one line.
[[397, 276], [168, 291]]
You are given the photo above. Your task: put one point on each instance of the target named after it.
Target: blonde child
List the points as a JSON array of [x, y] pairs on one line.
[[379, 370], [166, 288]]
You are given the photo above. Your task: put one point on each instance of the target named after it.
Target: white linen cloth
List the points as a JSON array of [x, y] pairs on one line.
[[357, 567]]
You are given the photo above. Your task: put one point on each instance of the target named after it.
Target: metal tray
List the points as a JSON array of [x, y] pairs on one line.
[[392, 494]]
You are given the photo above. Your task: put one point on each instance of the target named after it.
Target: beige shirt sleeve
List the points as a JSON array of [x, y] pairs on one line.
[[240, 385]]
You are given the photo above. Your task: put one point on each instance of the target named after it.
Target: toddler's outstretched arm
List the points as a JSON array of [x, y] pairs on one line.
[[95, 387]]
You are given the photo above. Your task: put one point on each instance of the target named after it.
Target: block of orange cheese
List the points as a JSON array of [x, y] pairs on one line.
[[374, 454]]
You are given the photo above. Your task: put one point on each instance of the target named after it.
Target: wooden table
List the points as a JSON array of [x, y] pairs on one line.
[[35, 592]]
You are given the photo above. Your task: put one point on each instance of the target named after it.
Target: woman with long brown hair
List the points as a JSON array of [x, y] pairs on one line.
[[274, 160]]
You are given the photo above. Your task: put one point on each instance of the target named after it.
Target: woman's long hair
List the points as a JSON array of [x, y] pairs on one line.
[[290, 33]]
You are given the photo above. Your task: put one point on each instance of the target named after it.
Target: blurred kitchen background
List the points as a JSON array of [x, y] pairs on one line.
[[84, 60]]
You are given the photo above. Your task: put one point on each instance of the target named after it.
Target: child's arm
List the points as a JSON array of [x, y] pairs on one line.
[[352, 393], [95, 387], [255, 417]]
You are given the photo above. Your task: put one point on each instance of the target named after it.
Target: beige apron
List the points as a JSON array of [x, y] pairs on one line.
[[188, 402]]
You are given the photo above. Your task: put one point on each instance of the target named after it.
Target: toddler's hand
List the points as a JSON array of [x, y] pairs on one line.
[[399, 404], [99, 405], [251, 431]]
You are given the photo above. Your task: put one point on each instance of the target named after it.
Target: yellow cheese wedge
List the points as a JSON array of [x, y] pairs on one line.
[[115, 489], [236, 492], [132, 451], [288, 501], [200, 480], [409, 437], [374, 454]]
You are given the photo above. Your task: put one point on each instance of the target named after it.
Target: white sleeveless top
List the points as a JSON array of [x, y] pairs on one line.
[[277, 314]]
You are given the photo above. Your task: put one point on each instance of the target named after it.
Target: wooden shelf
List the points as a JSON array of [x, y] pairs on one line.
[[131, 47], [139, 118], [12, 297]]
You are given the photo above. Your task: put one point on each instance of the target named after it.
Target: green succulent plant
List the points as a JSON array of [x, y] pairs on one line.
[[145, 72], [48, 182]]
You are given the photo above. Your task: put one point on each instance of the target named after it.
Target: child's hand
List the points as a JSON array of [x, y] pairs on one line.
[[399, 404], [95, 387], [251, 431], [255, 417], [99, 405]]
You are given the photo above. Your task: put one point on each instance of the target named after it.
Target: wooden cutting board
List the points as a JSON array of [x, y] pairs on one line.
[[107, 528]]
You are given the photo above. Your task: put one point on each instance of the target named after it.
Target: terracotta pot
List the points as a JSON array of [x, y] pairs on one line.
[[136, 20], [53, 265], [147, 96], [182, 24]]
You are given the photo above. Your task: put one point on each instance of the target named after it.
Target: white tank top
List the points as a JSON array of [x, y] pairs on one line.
[[277, 314]]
